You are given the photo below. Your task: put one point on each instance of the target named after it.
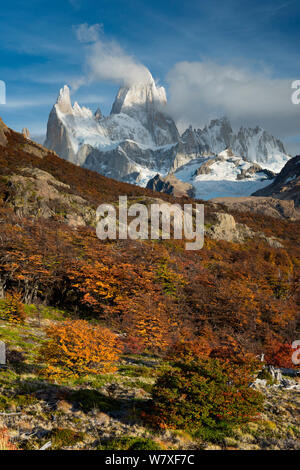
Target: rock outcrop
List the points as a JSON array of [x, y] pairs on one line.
[[223, 226], [35, 192], [170, 185], [26, 133], [3, 131]]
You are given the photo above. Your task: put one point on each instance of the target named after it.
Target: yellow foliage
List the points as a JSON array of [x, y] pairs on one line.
[[77, 347], [12, 308]]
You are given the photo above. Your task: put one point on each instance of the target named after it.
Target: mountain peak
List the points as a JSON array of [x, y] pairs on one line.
[[63, 101], [98, 114], [129, 99]]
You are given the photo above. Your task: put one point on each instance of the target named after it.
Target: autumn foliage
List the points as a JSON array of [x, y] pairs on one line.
[[156, 294], [279, 354], [76, 347], [12, 309], [189, 350]]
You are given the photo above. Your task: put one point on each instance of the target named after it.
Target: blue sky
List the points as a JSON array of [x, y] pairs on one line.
[[180, 43]]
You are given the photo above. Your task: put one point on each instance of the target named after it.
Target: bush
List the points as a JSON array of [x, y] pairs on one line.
[[77, 347], [206, 396], [12, 309], [279, 354], [189, 350], [129, 443], [63, 437], [234, 354]]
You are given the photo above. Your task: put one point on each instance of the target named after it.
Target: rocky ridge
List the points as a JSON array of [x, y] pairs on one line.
[[286, 185]]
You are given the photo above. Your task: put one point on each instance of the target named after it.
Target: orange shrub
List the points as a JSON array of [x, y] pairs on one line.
[[279, 354], [189, 350], [12, 309], [77, 347]]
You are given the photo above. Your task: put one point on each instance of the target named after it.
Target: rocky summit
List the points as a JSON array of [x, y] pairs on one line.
[[133, 143]]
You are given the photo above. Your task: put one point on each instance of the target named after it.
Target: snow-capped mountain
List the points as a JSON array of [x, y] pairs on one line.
[[133, 143], [139, 139], [254, 145], [223, 175]]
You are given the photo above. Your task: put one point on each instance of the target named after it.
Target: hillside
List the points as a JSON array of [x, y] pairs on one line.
[[235, 299]]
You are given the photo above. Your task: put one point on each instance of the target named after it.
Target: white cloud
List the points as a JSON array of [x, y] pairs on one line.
[[107, 61], [88, 33], [200, 91]]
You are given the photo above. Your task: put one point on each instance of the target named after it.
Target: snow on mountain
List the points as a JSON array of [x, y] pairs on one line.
[[139, 140], [214, 138], [137, 124], [254, 145], [223, 175]]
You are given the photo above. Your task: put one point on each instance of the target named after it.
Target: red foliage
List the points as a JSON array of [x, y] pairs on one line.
[[279, 354]]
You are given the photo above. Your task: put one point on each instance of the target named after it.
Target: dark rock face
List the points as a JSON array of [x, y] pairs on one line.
[[170, 185], [286, 185], [98, 114]]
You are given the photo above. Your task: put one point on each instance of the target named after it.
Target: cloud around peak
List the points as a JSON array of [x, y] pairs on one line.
[[106, 60]]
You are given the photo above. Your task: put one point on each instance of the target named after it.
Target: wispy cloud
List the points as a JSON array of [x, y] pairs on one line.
[[106, 60], [88, 33]]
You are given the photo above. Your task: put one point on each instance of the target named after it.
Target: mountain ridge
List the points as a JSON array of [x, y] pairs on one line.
[[138, 139]]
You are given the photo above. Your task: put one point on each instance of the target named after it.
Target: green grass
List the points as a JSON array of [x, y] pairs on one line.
[[129, 443], [137, 371], [63, 437], [16, 402]]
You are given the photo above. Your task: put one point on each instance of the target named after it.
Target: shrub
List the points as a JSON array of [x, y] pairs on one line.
[[5, 443], [189, 350], [77, 347], [133, 345], [12, 309], [129, 443], [205, 396], [63, 437], [232, 352]]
